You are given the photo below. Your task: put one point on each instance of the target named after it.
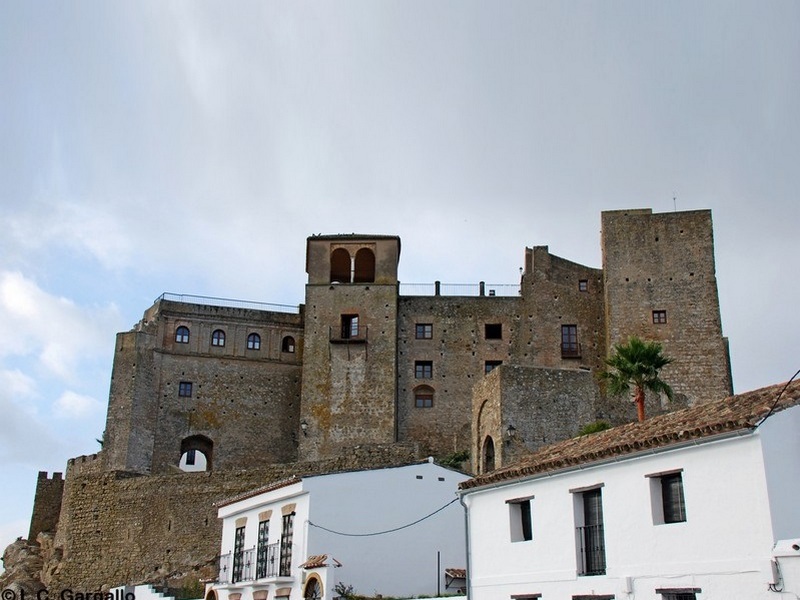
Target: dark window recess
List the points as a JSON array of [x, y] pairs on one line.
[[583, 285], [678, 593], [424, 331], [672, 498], [287, 345], [254, 341], [423, 397], [185, 389], [659, 317], [349, 326], [521, 522], [491, 365], [287, 533], [423, 369], [266, 558], [182, 335], [238, 555], [218, 338], [570, 348], [493, 331], [590, 535], [190, 456]]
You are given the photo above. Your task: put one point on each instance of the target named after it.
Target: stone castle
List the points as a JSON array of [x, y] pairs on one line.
[[209, 400]]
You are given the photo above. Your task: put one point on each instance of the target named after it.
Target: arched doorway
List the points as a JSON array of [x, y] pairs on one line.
[[488, 454], [196, 454], [313, 589]]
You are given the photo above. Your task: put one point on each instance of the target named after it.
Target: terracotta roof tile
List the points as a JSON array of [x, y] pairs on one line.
[[320, 560], [735, 413]]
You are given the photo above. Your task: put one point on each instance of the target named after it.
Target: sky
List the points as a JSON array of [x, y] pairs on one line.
[[192, 147]]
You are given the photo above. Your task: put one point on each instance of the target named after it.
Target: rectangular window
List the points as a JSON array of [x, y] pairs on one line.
[[583, 285], [185, 389], [238, 554], [491, 365], [423, 399], [666, 497], [678, 593], [424, 331], [423, 369], [591, 540], [570, 348], [190, 456], [349, 326], [286, 545], [659, 317], [493, 331], [519, 512], [265, 559]]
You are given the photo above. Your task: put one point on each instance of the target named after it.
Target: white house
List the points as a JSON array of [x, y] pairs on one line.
[[390, 531], [700, 503]]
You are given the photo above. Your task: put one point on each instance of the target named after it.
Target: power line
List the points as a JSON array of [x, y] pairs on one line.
[[387, 530]]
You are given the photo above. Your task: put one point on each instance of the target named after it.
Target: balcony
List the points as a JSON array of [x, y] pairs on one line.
[[253, 564], [592, 547]]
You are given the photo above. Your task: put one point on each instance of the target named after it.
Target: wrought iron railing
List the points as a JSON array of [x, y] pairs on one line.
[[459, 289], [252, 564], [592, 550], [570, 350]]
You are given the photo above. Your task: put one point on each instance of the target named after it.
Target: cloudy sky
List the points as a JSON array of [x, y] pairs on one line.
[[193, 146]]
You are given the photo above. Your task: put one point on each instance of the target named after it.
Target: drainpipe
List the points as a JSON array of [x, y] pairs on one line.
[[468, 581]]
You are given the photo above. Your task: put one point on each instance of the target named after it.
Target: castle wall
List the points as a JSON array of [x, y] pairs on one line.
[[244, 400], [46, 504], [125, 528], [665, 262], [458, 350]]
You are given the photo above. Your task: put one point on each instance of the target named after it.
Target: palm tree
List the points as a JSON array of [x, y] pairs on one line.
[[636, 363]]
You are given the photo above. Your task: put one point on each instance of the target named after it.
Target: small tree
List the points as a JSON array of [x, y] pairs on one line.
[[637, 364]]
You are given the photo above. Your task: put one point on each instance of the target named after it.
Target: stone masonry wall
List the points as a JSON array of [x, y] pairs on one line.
[[122, 528], [47, 504]]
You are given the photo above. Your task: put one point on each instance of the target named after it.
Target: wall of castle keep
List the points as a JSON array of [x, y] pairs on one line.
[[458, 351], [665, 262], [122, 528], [246, 401], [47, 504]]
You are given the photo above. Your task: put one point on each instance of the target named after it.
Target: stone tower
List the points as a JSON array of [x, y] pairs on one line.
[[350, 356], [660, 284]]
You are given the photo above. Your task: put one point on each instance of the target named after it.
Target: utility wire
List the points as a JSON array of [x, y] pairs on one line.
[[387, 530], [775, 404]]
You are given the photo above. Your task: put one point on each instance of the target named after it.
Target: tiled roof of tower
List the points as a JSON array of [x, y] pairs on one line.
[[735, 413]]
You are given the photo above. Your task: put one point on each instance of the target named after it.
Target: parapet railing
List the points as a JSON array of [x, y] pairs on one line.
[[228, 302], [437, 288]]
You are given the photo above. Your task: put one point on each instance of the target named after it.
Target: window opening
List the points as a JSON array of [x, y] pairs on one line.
[[423, 397], [196, 454], [364, 271], [678, 593], [424, 331], [570, 348], [238, 555], [185, 389], [254, 341], [659, 317], [287, 345], [182, 335], [493, 331], [340, 266], [286, 545], [590, 535], [520, 520], [349, 326], [266, 557], [672, 498], [583, 285], [491, 365], [423, 369], [218, 338]]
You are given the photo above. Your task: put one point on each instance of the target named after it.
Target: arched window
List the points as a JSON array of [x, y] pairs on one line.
[[182, 335], [287, 345], [196, 453], [365, 266], [254, 341], [313, 589], [488, 454], [340, 266], [423, 396], [218, 338]]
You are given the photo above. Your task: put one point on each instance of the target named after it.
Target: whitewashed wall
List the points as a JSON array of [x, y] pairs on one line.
[[724, 547], [780, 435]]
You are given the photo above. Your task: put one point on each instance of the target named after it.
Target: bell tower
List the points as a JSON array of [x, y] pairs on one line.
[[350, 354]]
